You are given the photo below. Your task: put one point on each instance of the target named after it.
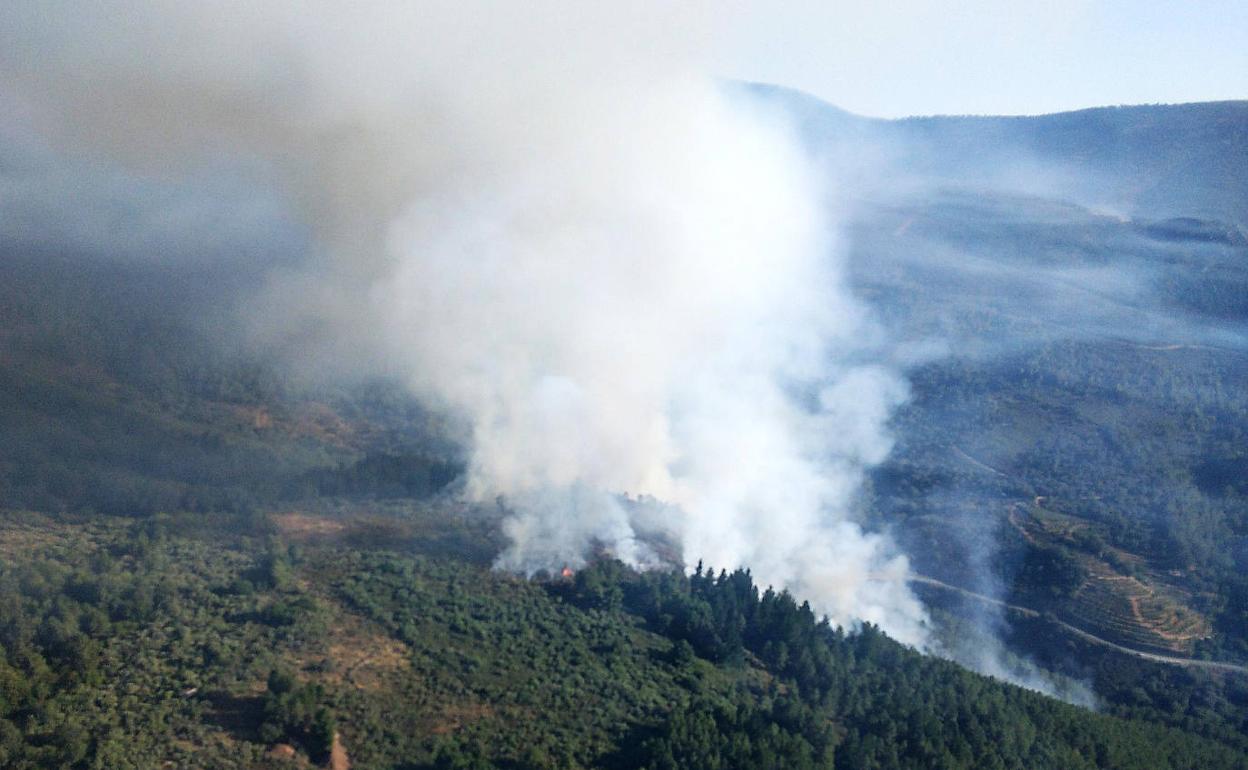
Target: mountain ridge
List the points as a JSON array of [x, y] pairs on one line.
[[1153, 161]]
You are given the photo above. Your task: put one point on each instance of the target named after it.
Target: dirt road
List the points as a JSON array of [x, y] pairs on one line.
[[1030, 613]]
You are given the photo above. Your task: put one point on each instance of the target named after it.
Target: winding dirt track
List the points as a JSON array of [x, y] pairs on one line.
[[1030, 613]]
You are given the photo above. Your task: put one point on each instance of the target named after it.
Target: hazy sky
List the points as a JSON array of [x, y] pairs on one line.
[[891, 58]]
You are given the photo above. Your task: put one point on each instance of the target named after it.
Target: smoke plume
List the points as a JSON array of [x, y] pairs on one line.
[[547, 220]]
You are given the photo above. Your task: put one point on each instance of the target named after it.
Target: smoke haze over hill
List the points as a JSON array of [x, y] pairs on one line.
[[620, 278], [616, 277]]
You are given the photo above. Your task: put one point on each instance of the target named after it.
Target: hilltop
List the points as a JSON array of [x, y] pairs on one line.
[[1158, 161]]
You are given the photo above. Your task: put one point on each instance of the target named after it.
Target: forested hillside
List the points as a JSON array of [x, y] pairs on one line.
[[1080, 436], [123, 395], [1155, 161], [207, 560], [132, 644], [1068, 294]]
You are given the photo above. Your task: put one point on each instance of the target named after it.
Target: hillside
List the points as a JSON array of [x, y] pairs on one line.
[[1068, 293], [161, 642], [1147, 161], [1095, 377], [207, 560], [203, 523]]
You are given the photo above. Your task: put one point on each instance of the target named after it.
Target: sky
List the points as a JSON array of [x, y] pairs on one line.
[[922, 57]]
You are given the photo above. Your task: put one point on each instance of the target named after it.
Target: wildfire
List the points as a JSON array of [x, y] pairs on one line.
[[566, 572]]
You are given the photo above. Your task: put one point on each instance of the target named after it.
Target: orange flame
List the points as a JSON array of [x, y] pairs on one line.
[[567, 572]]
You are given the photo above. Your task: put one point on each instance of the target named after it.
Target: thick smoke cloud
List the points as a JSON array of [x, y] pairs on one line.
[[549, 222]]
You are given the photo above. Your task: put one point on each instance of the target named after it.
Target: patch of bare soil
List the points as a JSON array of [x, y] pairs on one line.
[[1125, 609], [367, 661], [354, 653], [319, 421], [1141, 611], [25, 534], [338, 759], [305, 526]]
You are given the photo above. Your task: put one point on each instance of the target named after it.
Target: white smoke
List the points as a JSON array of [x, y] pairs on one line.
[[550, 221]]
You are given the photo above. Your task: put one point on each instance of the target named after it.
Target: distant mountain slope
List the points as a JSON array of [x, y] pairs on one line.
[[120, 393], [1154, 161], [1069, 296]]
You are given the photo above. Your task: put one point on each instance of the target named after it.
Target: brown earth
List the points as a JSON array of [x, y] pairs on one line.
[[353, 652], [305, 526], [1141, 611], [338, 759]]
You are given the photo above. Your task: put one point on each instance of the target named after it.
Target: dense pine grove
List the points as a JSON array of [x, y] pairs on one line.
[[126, 645]]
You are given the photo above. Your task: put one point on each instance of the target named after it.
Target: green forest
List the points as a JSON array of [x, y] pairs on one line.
[[129, 644]]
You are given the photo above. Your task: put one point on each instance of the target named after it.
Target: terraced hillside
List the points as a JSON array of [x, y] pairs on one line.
[[1124, 610], [1139, 610], [1095, 363]]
